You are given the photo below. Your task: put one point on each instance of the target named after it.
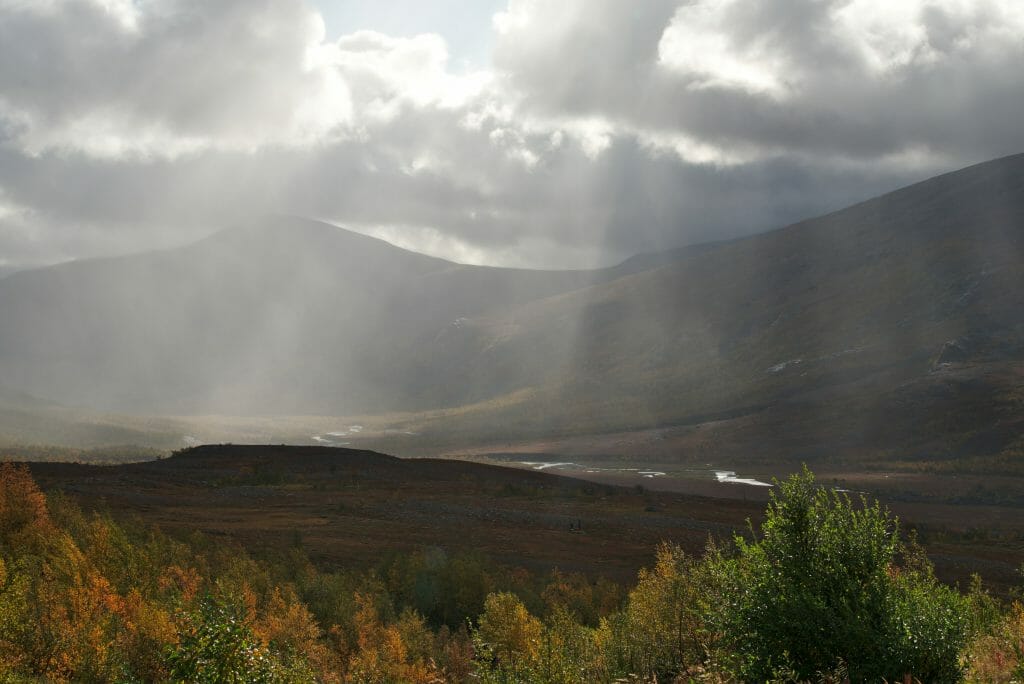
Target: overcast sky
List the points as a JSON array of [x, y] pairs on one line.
[[536, 133]]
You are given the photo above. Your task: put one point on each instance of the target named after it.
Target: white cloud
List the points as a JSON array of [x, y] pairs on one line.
[[389, 73], [698, 46], [735, 78], [162, 78]]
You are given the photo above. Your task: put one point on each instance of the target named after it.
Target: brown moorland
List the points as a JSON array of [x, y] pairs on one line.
[[351, 507]]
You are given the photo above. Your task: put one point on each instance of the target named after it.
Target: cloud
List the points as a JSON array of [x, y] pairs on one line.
[[164, 78], [387, 72], [603, 127], [832, 80]]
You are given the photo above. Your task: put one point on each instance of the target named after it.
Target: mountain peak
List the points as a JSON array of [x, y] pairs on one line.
[[289, 232]]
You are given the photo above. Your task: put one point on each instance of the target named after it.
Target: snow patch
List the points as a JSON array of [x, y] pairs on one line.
[[730, 477], [651, 473], [779, 367], [542, 465]]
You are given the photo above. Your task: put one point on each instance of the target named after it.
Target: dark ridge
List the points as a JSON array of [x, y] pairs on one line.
[[303, 456], [244, 462], [351, 507]]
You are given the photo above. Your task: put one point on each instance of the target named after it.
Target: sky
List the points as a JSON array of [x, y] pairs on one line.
[[522, 133]]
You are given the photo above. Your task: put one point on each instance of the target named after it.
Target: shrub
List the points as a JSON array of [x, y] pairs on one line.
[[821, 591], [218, 646]]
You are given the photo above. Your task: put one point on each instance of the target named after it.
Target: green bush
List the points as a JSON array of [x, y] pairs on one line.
[[821, 592], [217, 646]]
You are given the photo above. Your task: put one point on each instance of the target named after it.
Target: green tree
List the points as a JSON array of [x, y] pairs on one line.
[[821, 591], [218, 646]]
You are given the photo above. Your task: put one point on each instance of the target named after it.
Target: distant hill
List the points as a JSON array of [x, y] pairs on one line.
[[353, 507], [287, 315], [873, 326]]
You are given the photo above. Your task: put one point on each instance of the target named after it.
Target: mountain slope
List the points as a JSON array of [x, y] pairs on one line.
[[287, 315], [878, 311], [884, 284], [871, 325]]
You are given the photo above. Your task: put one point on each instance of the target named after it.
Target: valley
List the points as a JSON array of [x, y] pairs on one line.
[[881, 345]]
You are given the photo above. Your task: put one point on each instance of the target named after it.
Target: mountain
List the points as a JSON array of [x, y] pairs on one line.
[[286, 315], [895, 326], [897, 285], [867, 326]]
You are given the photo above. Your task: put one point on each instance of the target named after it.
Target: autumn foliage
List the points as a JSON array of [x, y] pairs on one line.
[[85, 598]]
